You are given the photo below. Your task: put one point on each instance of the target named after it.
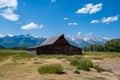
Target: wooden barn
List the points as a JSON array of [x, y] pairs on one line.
[[55, 45]]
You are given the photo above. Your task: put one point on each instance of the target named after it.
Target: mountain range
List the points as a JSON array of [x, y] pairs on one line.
[[80, 40], [28, 40]]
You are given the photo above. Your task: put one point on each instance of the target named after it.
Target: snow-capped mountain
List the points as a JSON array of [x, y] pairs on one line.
[[85, 40], [20, 40], [28, 40]]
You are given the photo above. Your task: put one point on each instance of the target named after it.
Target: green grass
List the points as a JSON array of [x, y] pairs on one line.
[[7, 53], [52, 56], [15, 54], [19, 54], [101, 55], [52, 69], [24, 55]]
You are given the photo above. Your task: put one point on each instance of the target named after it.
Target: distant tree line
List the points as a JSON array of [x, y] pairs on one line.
[[110, 46], [19, 48], [1, 47]]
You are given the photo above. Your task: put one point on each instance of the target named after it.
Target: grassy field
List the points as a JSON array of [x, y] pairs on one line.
[[19, 65]]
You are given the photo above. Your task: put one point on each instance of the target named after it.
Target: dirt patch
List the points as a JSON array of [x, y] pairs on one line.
[[109, 63]]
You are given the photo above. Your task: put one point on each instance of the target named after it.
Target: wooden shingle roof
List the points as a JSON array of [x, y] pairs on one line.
[[51, 40]]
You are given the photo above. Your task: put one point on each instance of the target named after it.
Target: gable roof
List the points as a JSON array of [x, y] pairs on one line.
[[51, 40], [48, 41]]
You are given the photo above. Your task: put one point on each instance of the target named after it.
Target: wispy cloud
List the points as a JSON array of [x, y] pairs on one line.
[[73, 24], [106, 20], [89, 8], [109, 19], [31, 26], [66, 18], [53, 1], [7, 8], [95, 21]]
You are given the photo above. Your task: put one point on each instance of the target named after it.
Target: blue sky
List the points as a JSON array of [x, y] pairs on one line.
[[52, 17]]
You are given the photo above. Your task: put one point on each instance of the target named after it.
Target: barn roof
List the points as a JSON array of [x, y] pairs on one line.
[[48, 41], [51, 40]]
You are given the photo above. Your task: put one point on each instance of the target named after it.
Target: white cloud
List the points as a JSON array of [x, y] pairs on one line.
[[89, 8], [73, 24], [7, 8], [31, 26], [53, 1], [106, 20], [66, 18], [1, 35], [8, 3], [95, 21], [8, 14], [109, 19]]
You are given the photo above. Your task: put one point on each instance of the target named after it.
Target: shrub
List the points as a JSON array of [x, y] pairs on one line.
[[77, 71], [82, 64], [52, 69], [99, 69], [85, 65], [75, 62]]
